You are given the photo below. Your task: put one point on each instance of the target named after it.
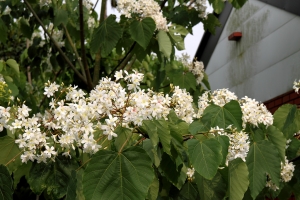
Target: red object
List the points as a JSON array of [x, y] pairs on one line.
[[235, 36]]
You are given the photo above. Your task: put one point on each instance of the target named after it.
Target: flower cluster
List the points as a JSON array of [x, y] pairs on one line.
[[296, 86], [239, 143], [143, 9], [82, 120], [253, 112], [201, 8], [57, 35], [286, 174]]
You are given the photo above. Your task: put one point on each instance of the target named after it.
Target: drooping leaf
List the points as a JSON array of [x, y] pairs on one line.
[[189, 191], [262, 158], [52, 176], [211, 189], [153, 190], [217, 5], [224, 141], [237, 3], [238, 181], [106, 36], [72, 185], [112, 175], [229, 114], [278, 139], [142, 31], [10, 153], [150, 128], [205, 156], [211, 22], [164, 42], [6, 190], [153, 152], [185, 80], [61, 17], [285, 119], [14, 65]]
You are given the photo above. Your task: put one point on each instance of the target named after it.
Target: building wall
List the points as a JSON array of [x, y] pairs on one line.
[[266, 61]]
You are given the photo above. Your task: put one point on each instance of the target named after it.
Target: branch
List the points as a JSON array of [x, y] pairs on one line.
[[74, 49], [55, 43], [124, 59], [83, 55]]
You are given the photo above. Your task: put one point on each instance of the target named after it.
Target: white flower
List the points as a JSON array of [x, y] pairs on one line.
[[118, 74], [296, 86], [190, 173], [50, 89]]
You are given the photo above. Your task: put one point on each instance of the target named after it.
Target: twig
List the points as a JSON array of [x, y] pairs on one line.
[[74, 49], [55, 43], [123, 59], [124, 143], [83, 55], [14, 158], [95, 4], [83, 164]]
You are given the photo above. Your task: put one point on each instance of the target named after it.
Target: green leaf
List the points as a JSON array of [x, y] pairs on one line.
[[210, 23], [217, 5], [106, 36], [112, 175], [142, 31], [164, 42], [6, 191], [211, 189], [198, 127], [22, 170], [72, 185], [169, 168], [14, 65], [124, 135], [61, 17], [52, 177], [153, 190], [3, 31], [25, 28], [285, 119], [238, 181], [9, 153], [237, 3], [150, 128], [278, 139], [14, 89], [185, 80], [153, 152], [205, 156], [1, 65], [230, 114], [189, 191], [224, 141], [262, 158], [177, 34], [205, 81]]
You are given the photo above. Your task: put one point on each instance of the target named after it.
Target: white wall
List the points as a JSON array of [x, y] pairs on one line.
[[266, 61]]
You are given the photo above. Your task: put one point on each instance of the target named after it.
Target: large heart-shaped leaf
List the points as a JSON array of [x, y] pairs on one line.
[[262, 158], [142, 31], [238, 181], [6, 191], [229, 114], [278, 139], [111, 175], [106, 36], [205, 156]]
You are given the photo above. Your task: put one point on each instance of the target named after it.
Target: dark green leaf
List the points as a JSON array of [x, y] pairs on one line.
[[237, 3], [150, 128], [205, 81], [52, 177], [25, 28], [14, 65], [72, 185], [185, 80], [164, 42], [224, 141], [9, 153], [211, 189], [189, 191], [205, 156], [238, 181], [153, 152], [217, 5], [278, 139], [153, 190], [210, 23], [262, 158], [142, 31], [61, 17], [6, 191], [106, 36], [3, 31], [285, 119], [111, 175], [22, 170], [14, 89], [197, 127], [169, 169], [230, 114], [124, 135]]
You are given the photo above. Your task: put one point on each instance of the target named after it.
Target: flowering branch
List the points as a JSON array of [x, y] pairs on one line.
[[55, 43]]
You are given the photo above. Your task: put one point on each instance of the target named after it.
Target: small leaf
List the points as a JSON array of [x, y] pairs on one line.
[[14, 65], [262, 158], [72, 185], [237, 3], [6, 191], [61, 17], [9, 153], [210, 23], [211, 189], [238, 181], [217, 5], [278, 139], [106, 36], [142, 31], [164, 42], [112, 175], [205, 156]]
